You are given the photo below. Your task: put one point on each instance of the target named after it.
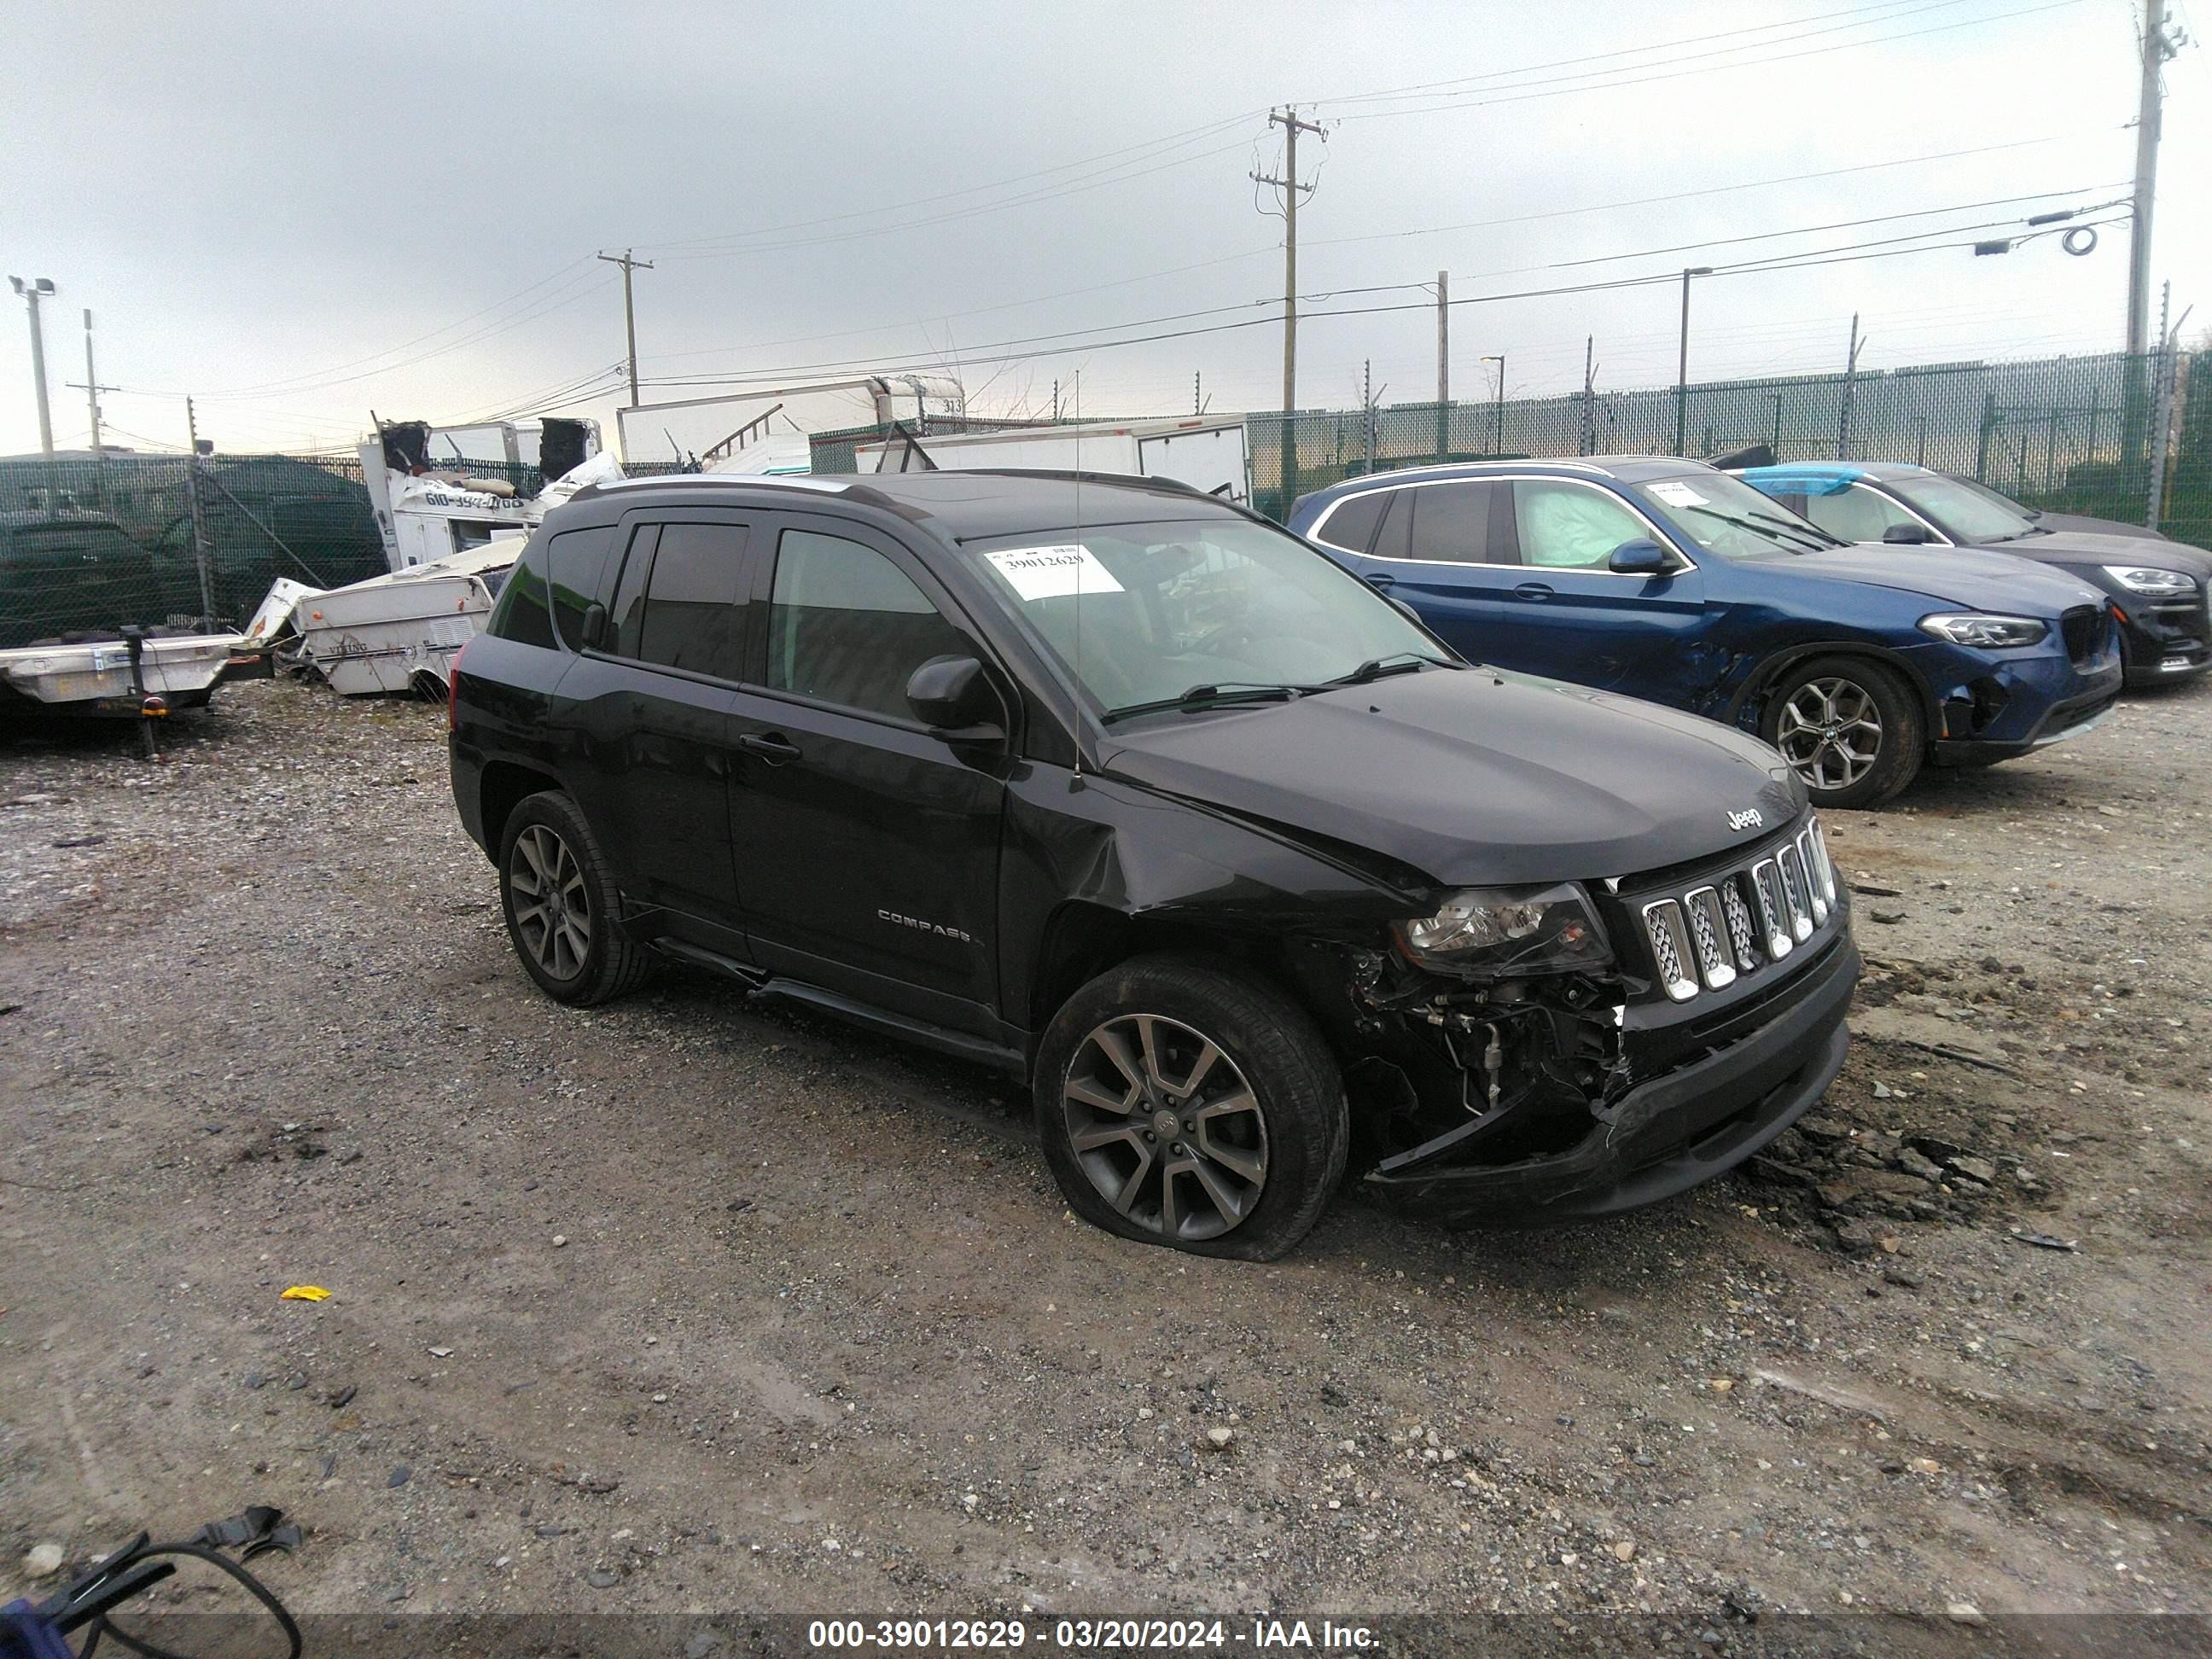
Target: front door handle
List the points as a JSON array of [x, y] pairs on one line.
[[1382, 582], [771, 746], [1536, 591]]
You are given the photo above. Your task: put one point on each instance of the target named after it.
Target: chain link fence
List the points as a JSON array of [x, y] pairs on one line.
[[2071, 434], [88, 544]]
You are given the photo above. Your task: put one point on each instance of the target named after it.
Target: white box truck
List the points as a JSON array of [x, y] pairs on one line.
[[1207, 453]]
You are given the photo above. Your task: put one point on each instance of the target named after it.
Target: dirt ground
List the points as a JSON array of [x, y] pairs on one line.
[[689, 1303]]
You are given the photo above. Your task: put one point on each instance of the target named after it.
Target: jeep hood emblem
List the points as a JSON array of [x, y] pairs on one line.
[[1749, 819]]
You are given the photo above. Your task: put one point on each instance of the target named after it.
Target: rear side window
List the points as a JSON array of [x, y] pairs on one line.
[[520, 614], [847, 626], [1351, 525], [577, 570], [692, 617], [1451, 524], [1571, 526], [625, 616], [1394, 539]]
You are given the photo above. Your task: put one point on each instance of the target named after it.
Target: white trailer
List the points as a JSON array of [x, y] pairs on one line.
[[1208, 453], [402, 632]]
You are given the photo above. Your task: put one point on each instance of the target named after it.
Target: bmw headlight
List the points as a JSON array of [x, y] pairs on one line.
[[1975, 627], [2148, 578], [1500, 931]]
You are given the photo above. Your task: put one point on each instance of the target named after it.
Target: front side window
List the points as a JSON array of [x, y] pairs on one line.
[[847, 626], [1570, 526], [1857, 515], [1136, 613], [692, 616]]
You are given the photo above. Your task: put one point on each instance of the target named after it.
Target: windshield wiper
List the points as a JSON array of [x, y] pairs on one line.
[[1782, 526], [1224, 694], [1398, 662]]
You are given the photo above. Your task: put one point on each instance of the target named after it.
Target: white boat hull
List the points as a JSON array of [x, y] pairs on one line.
[[77, 678]]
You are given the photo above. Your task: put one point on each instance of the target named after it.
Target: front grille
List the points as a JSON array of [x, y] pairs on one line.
[[2085, 628], [1704, 939]]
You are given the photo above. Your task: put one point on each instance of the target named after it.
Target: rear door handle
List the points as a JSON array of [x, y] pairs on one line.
[[771, 746], [1382, 580], [1537, 591]]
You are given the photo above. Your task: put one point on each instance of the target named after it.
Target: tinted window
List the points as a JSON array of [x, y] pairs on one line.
[[577, 564], [520, 614], [1451, 523], [1351, 525], [1857, 515], [692, 618], [1571, 526], [845, 625], [625, 616], [1394, 539]]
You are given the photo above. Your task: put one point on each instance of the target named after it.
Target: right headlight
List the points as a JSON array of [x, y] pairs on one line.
[[2151, 580], [1977, 628], [1501, 931]]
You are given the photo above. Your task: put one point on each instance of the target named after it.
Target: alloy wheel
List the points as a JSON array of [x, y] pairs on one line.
[[552, 906], [1166, 1127], [1830, 732]]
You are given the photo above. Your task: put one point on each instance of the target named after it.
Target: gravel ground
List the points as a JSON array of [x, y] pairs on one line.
[[689, 1303]]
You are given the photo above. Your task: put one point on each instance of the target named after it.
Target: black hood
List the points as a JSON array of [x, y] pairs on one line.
[[1474, 777], [2080, 548]]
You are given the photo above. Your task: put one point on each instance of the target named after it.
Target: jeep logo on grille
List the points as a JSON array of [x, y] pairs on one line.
[[1749, 819]]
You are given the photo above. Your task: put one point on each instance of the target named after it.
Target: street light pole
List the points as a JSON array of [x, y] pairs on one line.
[[33, 291], [1682, 366]]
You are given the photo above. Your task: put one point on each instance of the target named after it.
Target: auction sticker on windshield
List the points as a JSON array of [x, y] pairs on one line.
[[1052, 573], [1676, 494]]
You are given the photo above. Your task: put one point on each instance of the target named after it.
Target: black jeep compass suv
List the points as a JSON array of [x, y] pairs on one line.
[[1141, 799]]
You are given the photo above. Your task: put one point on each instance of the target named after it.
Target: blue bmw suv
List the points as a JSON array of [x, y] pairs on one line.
[[1665, 580]]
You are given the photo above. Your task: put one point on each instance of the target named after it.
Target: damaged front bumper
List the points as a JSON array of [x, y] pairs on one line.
[[1662, 1136]]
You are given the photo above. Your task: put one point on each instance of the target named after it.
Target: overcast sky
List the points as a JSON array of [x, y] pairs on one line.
[[305, 212]]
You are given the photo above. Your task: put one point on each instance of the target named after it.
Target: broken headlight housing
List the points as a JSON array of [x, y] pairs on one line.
[[1495, 931]]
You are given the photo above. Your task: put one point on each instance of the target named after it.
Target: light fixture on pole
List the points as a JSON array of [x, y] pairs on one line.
[[1682, 366], [33, 290], [1497, 443]]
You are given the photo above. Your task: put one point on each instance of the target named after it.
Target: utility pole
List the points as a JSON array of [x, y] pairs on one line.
[[1590, 385], [1497, 445], [1850, 372], [92, 390], [199, 513], [1444, 362], [33, 290], [1682, 366], [1367, 408], [1287, 118], [2156, 49], [629, 310]]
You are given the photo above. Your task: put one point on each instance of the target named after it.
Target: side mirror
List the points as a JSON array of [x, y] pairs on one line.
[[594, 629], [1641, 558], [1906, 535], [956, 700]]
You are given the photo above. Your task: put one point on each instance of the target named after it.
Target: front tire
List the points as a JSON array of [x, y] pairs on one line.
[[1852, 730], [1183, 1105], [558, 894]]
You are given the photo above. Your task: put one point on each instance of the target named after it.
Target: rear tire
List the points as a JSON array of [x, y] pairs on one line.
[[1852, 730], [557, 893], [1180, 1104]]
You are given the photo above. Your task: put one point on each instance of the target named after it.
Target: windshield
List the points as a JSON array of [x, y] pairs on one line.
[[1726, 516], [1967, 513], [1209, 602]]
